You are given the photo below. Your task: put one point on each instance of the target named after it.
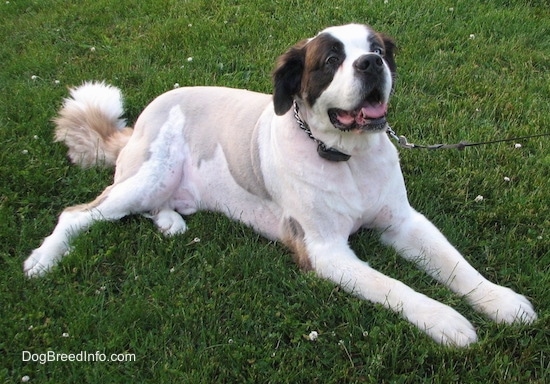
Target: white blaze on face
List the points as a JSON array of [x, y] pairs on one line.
[[345, 90]]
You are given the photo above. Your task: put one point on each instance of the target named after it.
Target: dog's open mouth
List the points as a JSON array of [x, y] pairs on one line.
[[370, 115]]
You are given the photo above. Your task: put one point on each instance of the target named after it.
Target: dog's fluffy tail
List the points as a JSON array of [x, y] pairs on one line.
[[90, 124]]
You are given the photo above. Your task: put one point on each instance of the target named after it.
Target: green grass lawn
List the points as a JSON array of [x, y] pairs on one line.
[[233, 307]]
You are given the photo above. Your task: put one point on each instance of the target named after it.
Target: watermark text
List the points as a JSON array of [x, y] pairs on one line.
[[82, 356]]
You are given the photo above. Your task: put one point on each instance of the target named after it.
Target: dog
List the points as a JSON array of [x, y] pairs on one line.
[[307, 166]]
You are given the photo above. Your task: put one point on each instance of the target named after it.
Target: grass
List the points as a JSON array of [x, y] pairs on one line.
[[233, 307]]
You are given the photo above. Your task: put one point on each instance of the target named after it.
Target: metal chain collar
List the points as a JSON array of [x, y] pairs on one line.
[[325, 152]]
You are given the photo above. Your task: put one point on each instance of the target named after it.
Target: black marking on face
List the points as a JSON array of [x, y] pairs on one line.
[[287, 77], [385, 47]]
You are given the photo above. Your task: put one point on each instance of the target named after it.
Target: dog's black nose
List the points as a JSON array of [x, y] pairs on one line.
[[370, 63]]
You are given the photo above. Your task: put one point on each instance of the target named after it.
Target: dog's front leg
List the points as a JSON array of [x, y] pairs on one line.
[[335, 261], [417, 239]]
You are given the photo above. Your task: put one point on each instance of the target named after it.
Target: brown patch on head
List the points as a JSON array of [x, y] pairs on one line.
[[324, 56], [294, 238], [306, 69]]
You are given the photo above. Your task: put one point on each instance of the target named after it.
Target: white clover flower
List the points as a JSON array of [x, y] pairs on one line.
[[34, 77], [56, 82], [35, 137], [176, 85], [25, 378], [172, 270], [25, 152], [478, 198], [506, 178], [65, 334], [195, 240], [313, 335], [189, 59], [92, 49], [472, 36], [517, 145]]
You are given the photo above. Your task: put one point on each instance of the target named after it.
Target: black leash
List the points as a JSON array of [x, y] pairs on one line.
[[402, 141], [332, 154]]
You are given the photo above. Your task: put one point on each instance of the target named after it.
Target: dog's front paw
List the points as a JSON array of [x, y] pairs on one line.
[[441, 323], [502, 304]]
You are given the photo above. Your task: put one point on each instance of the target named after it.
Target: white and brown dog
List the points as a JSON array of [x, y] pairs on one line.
[[308, 166]]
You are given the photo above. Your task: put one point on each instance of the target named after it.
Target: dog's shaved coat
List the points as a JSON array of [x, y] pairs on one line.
[[245, 154]]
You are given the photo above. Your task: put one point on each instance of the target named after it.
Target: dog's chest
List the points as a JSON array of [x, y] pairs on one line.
[[373, 189]]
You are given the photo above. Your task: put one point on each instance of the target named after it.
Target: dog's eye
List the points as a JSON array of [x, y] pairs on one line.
[[332, 60], [378, 51]]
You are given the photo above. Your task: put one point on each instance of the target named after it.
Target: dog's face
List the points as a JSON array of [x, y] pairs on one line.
[[341, 79]]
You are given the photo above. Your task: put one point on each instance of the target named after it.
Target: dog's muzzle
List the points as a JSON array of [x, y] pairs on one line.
[[370, 113]]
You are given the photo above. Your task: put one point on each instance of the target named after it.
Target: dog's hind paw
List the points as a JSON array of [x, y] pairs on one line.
[[37, 264]]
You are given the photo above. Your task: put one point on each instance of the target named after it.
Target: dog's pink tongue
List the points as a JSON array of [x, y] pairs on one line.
[[371, 111], [363, 115]]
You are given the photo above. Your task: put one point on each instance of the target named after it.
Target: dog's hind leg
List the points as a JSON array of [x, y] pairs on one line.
[[133, 195], [149, 189], [72, 221]]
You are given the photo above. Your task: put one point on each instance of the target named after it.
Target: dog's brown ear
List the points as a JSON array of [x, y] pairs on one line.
[[287, 77]]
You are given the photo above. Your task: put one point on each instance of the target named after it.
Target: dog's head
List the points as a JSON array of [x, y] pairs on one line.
[[341, 79]]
